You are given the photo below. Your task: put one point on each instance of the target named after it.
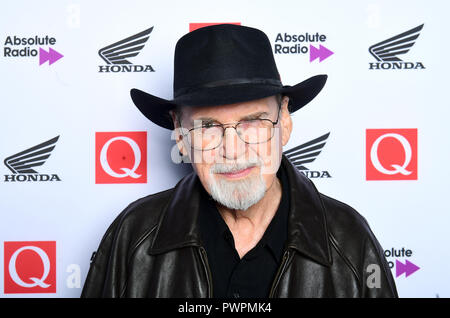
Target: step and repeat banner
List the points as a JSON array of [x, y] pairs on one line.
[[75, 151]]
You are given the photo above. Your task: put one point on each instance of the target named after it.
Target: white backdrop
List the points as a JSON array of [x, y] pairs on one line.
[[64, 219]]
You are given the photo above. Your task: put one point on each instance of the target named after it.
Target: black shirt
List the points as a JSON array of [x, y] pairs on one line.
[[253, 275]]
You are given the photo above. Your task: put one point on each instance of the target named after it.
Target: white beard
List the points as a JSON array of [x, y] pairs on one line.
[[238, 194]]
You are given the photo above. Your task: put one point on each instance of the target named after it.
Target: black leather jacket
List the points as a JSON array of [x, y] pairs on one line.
[[153, 249]]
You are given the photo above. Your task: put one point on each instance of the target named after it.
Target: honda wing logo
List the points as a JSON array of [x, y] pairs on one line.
[[117, 54], [24, 161], [388, 51], [307, 153], [22, 164], [400, 44]]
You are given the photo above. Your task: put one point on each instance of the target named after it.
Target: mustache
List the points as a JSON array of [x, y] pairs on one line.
[[234, 167]]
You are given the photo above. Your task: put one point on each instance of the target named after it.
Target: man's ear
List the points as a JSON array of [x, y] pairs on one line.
[[286, 121], [178, 133]]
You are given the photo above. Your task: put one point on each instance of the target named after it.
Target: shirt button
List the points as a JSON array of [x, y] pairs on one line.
[[236, 295]]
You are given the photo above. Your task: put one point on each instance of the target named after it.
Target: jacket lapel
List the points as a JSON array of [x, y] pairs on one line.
[[178, 226], [307, 228]]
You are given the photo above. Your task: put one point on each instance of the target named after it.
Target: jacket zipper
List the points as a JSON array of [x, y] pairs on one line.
[[279, 273], [204, 259]]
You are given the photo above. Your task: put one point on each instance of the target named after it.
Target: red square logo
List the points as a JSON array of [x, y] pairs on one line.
[[391, 154], [30, 267], [121, 157], [195, 26]]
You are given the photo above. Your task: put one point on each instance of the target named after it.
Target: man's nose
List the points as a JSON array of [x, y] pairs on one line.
[[232, 145]]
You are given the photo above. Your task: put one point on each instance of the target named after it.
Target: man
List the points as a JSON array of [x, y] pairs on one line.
[[245, 222]]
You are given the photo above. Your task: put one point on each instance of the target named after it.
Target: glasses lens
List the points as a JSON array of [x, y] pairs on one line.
[[203, 138], [250, 131], [255, 131]]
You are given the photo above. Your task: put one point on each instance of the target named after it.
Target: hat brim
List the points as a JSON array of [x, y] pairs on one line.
[[157, 109]]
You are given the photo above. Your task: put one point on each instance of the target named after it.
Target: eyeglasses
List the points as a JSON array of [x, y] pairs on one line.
[[210, 136]]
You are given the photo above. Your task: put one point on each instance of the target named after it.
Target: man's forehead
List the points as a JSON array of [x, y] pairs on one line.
[[238, 110]]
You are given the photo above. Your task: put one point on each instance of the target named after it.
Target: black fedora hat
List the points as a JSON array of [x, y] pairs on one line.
[[224, 64]]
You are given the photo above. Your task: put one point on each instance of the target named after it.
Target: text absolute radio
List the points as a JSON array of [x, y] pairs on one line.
[[117, 54], [298, 44], [407, 267], [15, 46], [22, 164]]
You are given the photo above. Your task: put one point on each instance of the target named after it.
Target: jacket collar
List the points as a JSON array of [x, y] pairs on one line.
[[307, 229]]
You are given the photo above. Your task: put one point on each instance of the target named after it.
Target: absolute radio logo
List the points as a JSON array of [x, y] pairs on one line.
[[309, 44], [22, 164], [120, 157], [30, 267], [388, 52], [307, 153], [391, 154], [117, 55], [30, 47], [401, 267]]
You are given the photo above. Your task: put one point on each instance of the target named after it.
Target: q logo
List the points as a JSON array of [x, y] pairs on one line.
[[121, 157], [391, 154], [30, 267]]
